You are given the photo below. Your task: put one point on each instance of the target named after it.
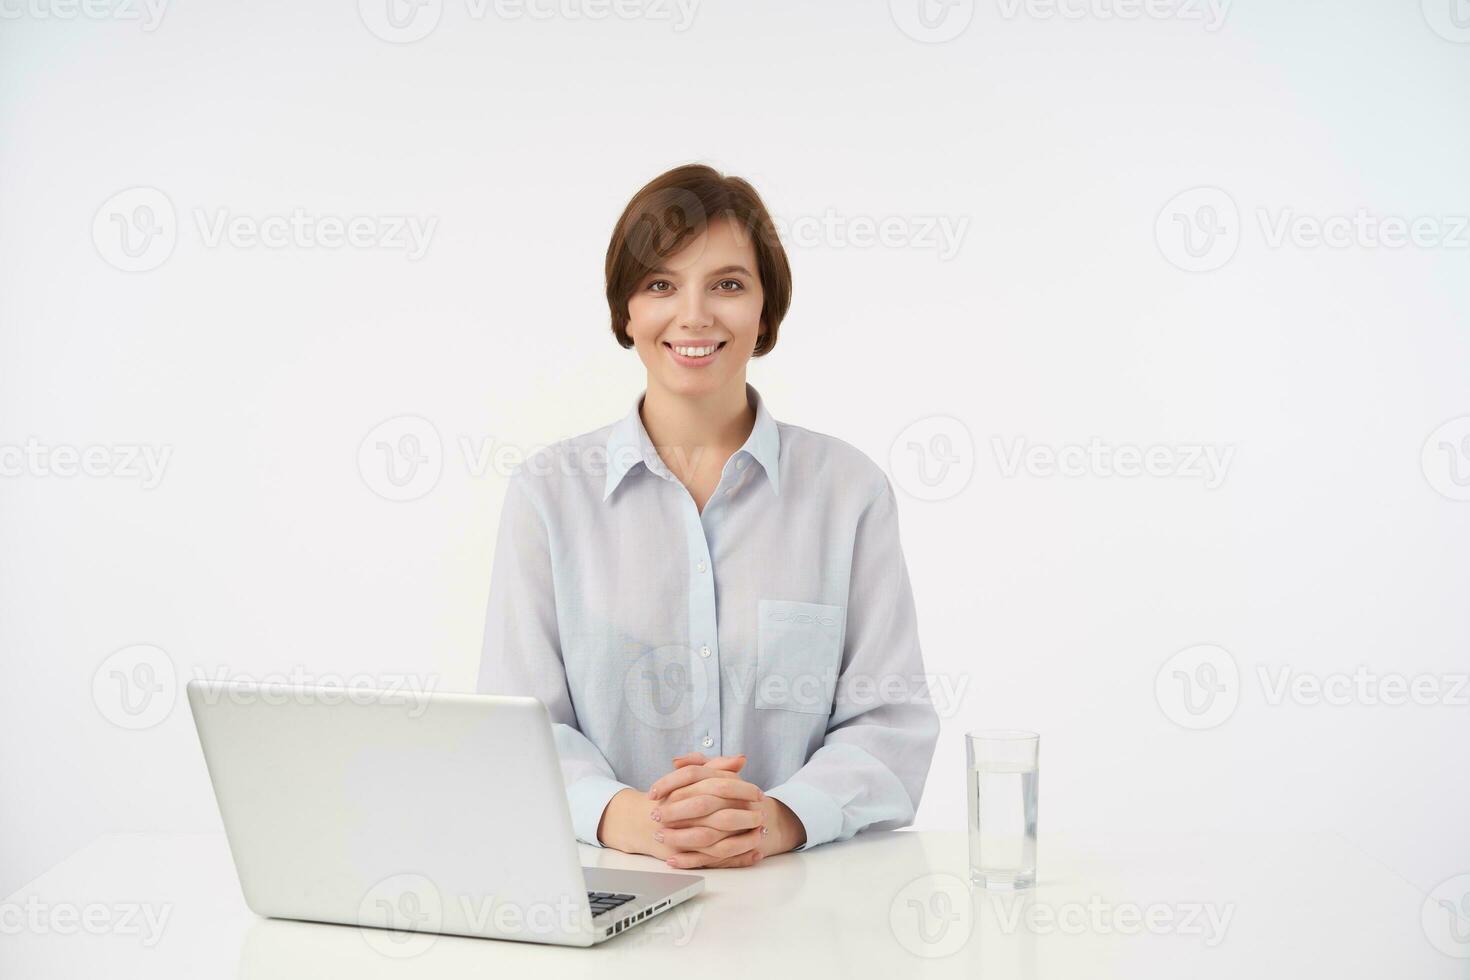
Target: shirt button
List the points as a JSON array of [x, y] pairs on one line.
[[707, 741], [729, 490], [700, 566], [740, 464], [704, 651]]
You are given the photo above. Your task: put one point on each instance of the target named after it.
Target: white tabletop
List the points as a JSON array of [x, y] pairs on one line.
[[883, 904]]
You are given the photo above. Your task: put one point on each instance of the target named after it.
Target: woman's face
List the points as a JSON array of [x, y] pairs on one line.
[[696, 318]]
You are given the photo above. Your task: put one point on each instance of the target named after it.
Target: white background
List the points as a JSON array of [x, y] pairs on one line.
[[1058, 144]]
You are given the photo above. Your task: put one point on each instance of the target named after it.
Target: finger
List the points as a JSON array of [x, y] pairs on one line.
[[696, 859], [729, 763], [728, 820], [719, 824], [688, 809], [727, 847], [739, 861], [731, 806], [682, 777], [728, 788], [689, 838]]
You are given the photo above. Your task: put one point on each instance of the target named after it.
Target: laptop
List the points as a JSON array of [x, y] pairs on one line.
[[414, 811]]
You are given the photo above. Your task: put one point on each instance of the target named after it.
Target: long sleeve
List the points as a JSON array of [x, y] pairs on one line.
[[522, 652], [870, 770]]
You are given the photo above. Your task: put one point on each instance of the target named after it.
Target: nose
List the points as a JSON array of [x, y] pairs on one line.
[[694, 311]]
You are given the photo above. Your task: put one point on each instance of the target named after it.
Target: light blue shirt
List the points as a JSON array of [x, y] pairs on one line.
[[778, 623]]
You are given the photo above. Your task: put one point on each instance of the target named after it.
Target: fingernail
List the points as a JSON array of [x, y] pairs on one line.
[[658, 835], [656, 815], [670, 863]]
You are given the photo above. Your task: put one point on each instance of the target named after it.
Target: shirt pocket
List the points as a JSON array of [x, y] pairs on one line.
[[798, 655]]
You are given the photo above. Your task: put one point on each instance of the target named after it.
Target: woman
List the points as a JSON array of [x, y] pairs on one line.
[[713, 605]]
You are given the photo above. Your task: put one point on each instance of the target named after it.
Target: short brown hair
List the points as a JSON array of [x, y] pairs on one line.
[[675, 208]]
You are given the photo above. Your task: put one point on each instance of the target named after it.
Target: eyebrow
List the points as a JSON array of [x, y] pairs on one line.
[[718, 272]]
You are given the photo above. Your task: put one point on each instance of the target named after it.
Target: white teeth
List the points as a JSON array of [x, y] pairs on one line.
[[696, 351]]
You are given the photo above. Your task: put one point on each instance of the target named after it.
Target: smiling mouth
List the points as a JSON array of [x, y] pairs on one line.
[[696, 351]]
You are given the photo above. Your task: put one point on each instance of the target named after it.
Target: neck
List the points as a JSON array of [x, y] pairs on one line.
[[686, 428]]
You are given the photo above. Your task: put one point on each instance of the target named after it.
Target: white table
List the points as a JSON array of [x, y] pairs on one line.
[[884, 904]]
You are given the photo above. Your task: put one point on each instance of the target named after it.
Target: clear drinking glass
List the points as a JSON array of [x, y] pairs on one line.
[[1002, 802]]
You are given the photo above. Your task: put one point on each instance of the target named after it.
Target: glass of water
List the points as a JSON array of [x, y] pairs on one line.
[[1002, 802]]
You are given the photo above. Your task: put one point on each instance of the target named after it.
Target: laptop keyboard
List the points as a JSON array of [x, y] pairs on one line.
[[606, 901]]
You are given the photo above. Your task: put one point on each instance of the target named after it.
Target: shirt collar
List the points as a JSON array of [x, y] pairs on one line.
[[628, 445]]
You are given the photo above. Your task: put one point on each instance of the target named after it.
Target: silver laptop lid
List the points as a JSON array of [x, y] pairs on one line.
[[417, 811]]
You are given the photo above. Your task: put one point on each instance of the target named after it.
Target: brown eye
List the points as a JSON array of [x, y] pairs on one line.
[[653, 286], [733, 283]]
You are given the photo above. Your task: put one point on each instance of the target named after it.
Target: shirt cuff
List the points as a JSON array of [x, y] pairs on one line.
[[817, 812], [588, 798]]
